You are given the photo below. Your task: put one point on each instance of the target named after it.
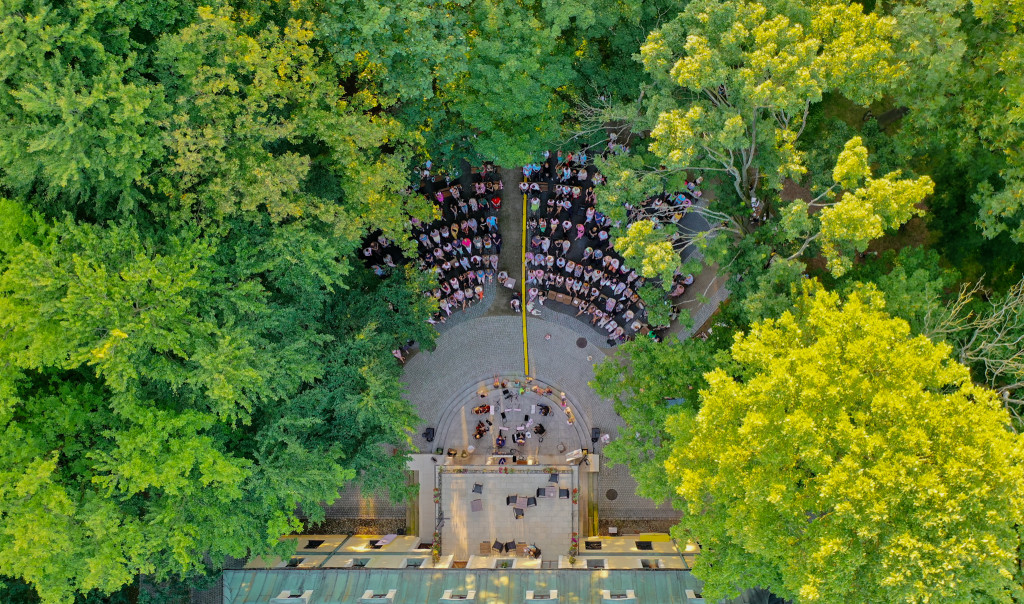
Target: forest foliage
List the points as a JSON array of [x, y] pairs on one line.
[[192, 352]]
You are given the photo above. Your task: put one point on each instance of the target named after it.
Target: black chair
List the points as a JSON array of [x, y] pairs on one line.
[[510, 546], [541, 491], [531, 502], [478, 488], [429, 435], [595, 435], [497, 546], [518, 512], [553, 477], [563, 493], [510, 500]]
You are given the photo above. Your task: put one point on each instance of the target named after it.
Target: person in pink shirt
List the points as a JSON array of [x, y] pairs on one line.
[[579, 231]]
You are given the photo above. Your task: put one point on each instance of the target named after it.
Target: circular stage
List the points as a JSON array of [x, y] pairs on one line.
[[510, 417]]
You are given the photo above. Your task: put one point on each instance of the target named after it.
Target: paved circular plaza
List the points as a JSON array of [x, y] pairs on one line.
[[445, 386]]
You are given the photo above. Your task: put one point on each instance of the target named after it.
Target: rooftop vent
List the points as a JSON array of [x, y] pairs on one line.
[[618, 596], [448, 596], [550, 595], [289, 597], [371, 597]]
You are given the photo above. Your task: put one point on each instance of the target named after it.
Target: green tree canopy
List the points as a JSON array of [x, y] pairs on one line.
[[841, 459], [966, 100]]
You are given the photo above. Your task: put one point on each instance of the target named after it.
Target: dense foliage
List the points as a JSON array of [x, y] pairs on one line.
[[191, 352], [841, 459]]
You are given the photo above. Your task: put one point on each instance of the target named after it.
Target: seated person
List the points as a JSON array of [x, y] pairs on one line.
[[544, 409], [500, 441], [539, 429]]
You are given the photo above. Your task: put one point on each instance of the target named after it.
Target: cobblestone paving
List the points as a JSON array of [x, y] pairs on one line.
[[564, 315], [627, 504], [353, 503], [510, 219], [472, 353]]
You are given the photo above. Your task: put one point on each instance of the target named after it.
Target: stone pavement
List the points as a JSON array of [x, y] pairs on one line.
[[548, 524], [353, 503], [510, 220], [470, 354]]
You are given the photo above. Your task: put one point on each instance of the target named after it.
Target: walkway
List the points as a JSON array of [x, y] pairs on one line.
[[510, 221], [471, 353]]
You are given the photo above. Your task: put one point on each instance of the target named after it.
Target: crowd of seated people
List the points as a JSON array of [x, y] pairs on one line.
[[381, 253], [669, 208], [570, 257], [461, 247]]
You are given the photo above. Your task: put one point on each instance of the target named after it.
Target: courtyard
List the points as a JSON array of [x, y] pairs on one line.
[[484, 508]]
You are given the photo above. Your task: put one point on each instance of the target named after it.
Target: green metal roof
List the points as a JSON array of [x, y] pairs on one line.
[[504, 586]]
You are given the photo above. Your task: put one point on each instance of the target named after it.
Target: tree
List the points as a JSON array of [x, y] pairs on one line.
[[966, 100], [988, 337], [734, 81], [171, 400], [733, 86], [914, 282], [252, 104], [840, 459], [869, 207], [80, 123], [842, 219], [649, 381]]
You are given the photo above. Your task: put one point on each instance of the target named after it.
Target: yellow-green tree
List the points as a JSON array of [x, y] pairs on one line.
[[842, 460], [868, 207], [734, 82]]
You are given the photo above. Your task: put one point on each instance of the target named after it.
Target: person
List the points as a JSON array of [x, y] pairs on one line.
[[398, 355], [515, 305]]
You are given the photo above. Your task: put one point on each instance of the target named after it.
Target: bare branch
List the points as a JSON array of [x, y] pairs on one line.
[[803, 247]]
